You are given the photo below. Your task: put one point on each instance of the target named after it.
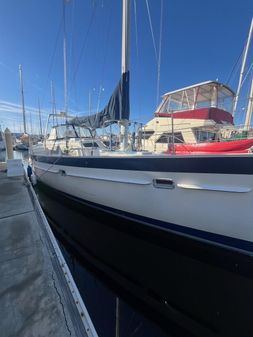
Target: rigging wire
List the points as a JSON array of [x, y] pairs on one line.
[[234, 67], [136, 30], [108, 30], [71, 54], [84, 42], [73, 83], [52, 58], [138, 59], [246, 75], [152, 32], [159, 56], [247, 95]]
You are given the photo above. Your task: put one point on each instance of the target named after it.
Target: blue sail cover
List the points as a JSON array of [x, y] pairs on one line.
[[116, 109]]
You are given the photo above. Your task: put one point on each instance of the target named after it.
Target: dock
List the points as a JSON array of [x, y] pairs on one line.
[[38, 296]]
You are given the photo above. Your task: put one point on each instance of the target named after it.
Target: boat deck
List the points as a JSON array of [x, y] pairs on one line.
[[35, 298]]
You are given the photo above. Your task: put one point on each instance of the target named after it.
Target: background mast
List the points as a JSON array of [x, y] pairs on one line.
[[40, 117], [22, 96]]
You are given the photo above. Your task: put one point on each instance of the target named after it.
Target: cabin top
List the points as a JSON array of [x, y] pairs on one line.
[[202, 95]]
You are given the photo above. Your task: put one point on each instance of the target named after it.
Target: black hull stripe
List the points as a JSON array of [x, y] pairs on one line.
[[223, 240], [219, 164]]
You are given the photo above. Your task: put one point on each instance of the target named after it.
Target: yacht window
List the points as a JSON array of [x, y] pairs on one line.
[[166, 138], [82, 132], [65, 131], [94, 144], [60, 131], [202, 95], [147, 134], [205, 136], [70, 132]]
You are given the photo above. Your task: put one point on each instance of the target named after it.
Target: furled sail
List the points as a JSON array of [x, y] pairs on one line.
[[116, 109]]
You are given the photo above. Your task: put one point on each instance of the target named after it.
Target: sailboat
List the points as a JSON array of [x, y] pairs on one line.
[[160, 181], [23, 143], [198, 205]]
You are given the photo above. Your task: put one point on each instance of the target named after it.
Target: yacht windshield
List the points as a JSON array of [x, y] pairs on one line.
[[69, 131], [209, 94], [82, 132]]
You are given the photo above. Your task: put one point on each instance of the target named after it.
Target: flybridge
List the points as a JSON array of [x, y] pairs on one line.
[[205, 95], [219, 116]]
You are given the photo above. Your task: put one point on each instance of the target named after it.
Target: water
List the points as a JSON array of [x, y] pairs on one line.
[[98, 292], [100, 301], [17, 155]]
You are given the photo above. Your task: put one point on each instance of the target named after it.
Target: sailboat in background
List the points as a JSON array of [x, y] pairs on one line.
[[169, 201], [23, 143]]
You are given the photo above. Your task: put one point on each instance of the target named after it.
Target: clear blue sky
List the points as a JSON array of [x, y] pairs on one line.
[[201, 41]]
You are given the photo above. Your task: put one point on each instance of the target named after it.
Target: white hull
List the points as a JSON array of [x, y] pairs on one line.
[[211, 203]]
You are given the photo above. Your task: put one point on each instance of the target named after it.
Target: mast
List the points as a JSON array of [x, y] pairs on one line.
[[89, 107], [125, 36], [65, 60], [40, 117], [53, 102], [245, 54], [31, 123], [125, 65], [22, 96], [249, 109]]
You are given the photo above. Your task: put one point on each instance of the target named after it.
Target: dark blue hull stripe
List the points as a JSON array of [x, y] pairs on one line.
[[218, 165], [191, 232]]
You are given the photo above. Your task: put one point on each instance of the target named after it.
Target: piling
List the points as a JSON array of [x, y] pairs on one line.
[[8, 144]]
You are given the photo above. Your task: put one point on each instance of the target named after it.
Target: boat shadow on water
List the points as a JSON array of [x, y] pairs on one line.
[[189, 287]]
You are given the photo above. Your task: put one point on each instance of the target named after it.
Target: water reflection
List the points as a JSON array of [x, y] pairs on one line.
[[17, 155], [97, 289], [101, 304]]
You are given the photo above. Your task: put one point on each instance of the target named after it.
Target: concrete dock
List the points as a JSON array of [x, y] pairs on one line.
[[38, 296]]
